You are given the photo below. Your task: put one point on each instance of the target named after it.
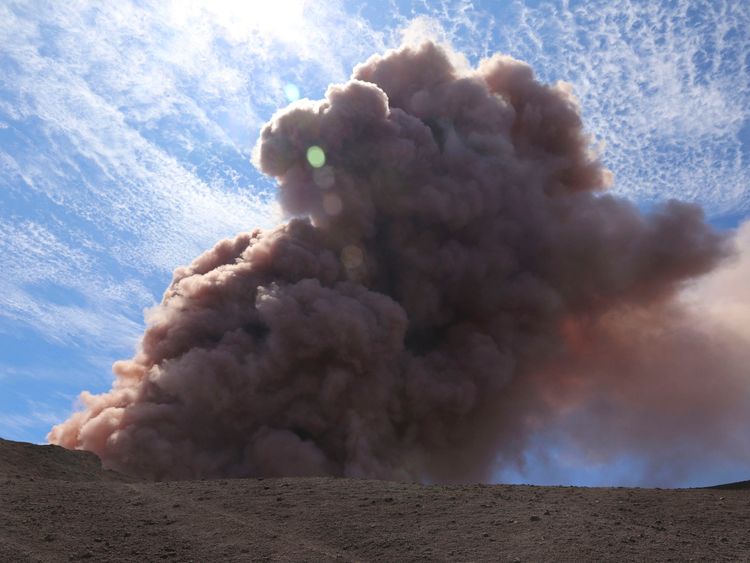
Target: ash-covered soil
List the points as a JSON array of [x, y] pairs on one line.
[[57, 505]]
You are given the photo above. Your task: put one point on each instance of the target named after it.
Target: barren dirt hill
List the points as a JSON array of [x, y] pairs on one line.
[[57, 505], [28, 461]]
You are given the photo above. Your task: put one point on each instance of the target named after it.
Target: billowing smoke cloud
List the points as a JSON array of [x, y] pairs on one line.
[[455, 280]]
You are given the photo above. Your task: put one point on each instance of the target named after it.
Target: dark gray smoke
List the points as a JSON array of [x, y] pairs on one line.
[[455, 280]]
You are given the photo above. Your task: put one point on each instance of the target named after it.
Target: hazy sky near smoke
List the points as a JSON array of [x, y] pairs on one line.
[[126, 129]]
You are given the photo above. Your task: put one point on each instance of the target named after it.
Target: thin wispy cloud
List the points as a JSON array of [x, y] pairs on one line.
[[664, 87], [34, 417], [126, 137], [31, 415]]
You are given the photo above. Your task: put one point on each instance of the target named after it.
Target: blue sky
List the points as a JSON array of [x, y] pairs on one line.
[[126, 130]]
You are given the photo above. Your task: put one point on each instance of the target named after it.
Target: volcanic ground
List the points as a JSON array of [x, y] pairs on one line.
[[59, 505]]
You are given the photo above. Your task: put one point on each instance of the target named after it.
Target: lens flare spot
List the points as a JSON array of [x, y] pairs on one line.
[[332, 204], [323, 177], [316, 157], [291, 91], [352, 257]]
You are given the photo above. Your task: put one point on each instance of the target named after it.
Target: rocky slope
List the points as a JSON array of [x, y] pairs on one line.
[[57, 505]]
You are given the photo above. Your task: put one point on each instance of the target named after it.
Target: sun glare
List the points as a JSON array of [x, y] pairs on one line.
[[280, 19]]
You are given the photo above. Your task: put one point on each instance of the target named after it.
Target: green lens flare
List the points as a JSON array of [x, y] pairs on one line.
[[292, 92], [316, 157]]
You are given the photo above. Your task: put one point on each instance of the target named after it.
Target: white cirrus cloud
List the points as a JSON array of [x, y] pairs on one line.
[[665, 86]]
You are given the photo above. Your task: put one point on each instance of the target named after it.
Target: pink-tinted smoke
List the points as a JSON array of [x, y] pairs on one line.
[[456, 279]]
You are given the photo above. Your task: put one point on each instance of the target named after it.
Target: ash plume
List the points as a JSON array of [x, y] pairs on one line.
[[454, 279]]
